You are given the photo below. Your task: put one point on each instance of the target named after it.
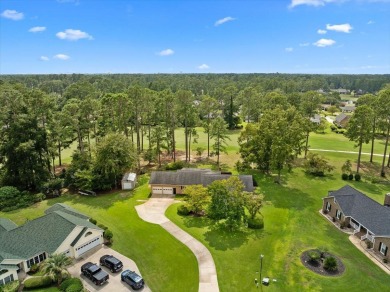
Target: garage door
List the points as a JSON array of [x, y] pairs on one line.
[[157, 191], [87, 246], [167, 191]]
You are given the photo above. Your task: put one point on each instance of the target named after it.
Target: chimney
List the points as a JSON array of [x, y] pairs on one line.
[[387, 200]]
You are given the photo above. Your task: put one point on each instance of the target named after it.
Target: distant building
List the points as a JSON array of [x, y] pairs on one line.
[[342, 120], [316, 119], [348, 108], [129, 180]]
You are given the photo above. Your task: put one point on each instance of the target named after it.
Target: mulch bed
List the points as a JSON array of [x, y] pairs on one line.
[[318, 268]]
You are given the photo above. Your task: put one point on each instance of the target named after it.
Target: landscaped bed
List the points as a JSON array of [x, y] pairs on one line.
[[319, 265]]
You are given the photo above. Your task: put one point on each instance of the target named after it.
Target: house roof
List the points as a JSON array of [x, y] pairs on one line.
[[44, 234], [6, 225], [363, 209], [129, 176], [66, 209], [185, 177]]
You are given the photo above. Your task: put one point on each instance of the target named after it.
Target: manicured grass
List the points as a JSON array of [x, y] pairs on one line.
[[292, 225], [48, 289], [165, 263]]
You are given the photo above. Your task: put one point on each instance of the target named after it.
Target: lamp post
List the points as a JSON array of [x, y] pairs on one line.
[[261, 265]]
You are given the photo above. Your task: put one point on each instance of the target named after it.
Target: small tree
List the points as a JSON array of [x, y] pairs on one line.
[[108, 235], [347, 167], [55, 267], [253, 203], [332, 109], [314, 256], [317, 165], [199, 151], [197, 198]]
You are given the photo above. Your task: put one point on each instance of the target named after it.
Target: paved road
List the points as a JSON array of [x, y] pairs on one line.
[[342, 151], [153, 211], [114, 283]]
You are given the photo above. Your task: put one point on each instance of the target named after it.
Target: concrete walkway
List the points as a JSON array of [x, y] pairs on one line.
[[343, 151], [153, 211]]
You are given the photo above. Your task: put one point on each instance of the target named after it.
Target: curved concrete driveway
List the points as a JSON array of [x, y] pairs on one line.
[[153, 211]]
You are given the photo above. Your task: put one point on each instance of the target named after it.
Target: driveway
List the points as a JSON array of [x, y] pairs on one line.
[[153, 211], [114, 283]]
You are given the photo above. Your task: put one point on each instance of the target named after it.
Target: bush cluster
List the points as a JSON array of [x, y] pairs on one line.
[[38, 282], [11, 198], [175, 165], [72, 285], [344, 176], [255, 223], [330, 264], [93, 221], [183, 210], [10, 287]]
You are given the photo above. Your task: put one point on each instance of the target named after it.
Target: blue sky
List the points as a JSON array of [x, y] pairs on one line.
[[169, 36]]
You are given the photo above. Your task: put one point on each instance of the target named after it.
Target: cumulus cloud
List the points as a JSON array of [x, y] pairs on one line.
[[289, 49], [12, 14], [224, 20], [73, 35], [37, 29], [166, 52], [61, 57], [321, 31], [304, 44], [324, 43], [203, 67], [370, 22], [346, 27], [44, 58]]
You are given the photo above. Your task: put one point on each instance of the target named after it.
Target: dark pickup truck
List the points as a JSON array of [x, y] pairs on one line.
[[111, 262], [94, 273]]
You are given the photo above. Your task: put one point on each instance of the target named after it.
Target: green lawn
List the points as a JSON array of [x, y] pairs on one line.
[[165, 263], [292, 225]]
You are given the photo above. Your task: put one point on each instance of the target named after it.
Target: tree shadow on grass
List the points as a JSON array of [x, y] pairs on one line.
[[223, 239]]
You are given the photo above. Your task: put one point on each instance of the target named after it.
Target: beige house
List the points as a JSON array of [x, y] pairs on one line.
[[174, 182], [369, 219], [61, 230]]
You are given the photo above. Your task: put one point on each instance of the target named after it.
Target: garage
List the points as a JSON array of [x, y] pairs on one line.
[[87, 246], [167, 191], [157, 190]]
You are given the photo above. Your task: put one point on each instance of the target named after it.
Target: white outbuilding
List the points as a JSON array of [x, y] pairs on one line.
[[129, 180]]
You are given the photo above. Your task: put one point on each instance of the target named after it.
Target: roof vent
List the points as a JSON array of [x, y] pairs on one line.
[[387, 200]]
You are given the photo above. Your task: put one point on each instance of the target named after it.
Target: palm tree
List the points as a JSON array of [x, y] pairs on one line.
[[55, 267]]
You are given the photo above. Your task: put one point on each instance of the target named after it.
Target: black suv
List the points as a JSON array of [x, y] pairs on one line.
[[94, 273], [133, 279], [111, 262]]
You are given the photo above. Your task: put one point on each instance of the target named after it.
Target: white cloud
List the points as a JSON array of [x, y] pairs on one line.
[[311, 2], [321, 31], [61, 57], [73, 35], [166, 52], [203, 67], [304, 44], [370, 22], [346, 27], [12, 14], [289, 49], [324, 43], [37, 29], [224, 20], [44, 58]]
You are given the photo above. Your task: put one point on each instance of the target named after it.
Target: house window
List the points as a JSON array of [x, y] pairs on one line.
[[88, 233], [383, 248], [328, 206], [338, 214]]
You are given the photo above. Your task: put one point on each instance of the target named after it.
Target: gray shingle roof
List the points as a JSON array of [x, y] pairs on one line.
[[363, 209], [45, 233], [185, 177], [6, 224], [66, 209]]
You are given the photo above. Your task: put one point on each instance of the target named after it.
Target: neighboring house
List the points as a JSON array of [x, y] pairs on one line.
[[325, 107], [316, 119], [342, 120], [369, 219], [129, 180], [174, 182], [61, 230], [341, 91], [348, 109]]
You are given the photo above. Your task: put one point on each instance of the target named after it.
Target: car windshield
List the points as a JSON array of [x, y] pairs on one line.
[[136, 278]]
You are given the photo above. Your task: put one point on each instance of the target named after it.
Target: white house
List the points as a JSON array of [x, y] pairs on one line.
[[128, 181], [61, 230]]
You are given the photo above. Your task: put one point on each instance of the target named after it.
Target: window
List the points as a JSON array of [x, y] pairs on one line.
[[88, 233], [41, 257], [383, 248], [338, 214], [328, 206]]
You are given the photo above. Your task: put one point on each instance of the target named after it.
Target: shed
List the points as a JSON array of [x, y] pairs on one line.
[[129, 180]]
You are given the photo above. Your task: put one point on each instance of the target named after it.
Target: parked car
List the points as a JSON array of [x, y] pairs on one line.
[[94, 273], [133, 279], [111, 262]]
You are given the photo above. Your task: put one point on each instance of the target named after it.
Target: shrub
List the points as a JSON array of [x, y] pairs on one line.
[[175, 165], [102, 226], [330, 264], [385, 261], [350, 177], [37, 282], [34, 268], [314, 256], [183, 210], [93, 221], [333, 128], [358, 177], [72, 285], [322, 250], [368, 243], [10, 287], [108, 235], [38, 197], [255, 223], [343, 224], [344, 176]]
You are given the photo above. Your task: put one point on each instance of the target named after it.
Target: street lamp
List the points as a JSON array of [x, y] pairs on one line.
[[261, 265]]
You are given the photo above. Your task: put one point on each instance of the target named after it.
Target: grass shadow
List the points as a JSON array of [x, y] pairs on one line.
[[222, 239]]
